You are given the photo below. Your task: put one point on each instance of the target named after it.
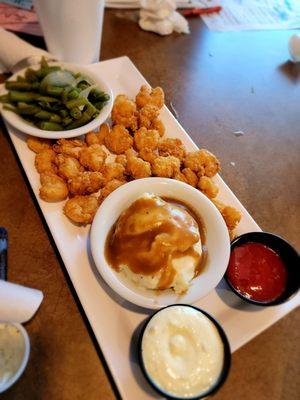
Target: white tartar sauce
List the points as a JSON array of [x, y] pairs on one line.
[[12, 349], [182, 351]]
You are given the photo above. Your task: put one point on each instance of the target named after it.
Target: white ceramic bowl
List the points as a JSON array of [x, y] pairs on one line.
[[24, 361], [22, 125], [217, 241]]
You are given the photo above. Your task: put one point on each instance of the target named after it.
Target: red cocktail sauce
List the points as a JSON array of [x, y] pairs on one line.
[[257, 272]]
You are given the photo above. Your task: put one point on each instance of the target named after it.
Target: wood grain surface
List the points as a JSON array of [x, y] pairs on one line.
[[218, 83]]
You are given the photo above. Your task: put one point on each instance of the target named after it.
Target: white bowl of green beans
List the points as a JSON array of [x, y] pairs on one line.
[[55, 100]]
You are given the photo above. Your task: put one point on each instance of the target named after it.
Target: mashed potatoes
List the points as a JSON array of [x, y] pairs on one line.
[[156, 244]]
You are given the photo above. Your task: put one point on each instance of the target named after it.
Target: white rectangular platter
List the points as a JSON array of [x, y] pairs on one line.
[[114, 320]]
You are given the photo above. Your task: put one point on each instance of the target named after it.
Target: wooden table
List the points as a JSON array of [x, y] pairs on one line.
[[218, 84]]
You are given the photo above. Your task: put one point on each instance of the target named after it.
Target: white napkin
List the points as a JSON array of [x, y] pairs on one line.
[[18, 303], [159, 16], [16, 54]]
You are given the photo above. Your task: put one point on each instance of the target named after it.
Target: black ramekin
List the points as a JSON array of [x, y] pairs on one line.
[[288, 255], [226, 364]]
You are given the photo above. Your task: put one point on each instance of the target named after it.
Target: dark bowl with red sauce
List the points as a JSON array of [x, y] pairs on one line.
[[263, 269]]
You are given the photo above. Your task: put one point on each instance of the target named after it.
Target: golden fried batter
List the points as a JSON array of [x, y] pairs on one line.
[[44, 161], [93, 157], [68, 167], [38, 144], [86, 183], [147, 95], [148, 154], [172, 147], [97, 137], [112, 171], [69, 147], [110, 187], [166, 167], [121, 159], [147, 115], [158, 125], [231, 215], [203, 162], [144, 138], [81, 209], [53, 188], [124, 112], [138, 168], [208, 187], [118, 140], [190, 176]]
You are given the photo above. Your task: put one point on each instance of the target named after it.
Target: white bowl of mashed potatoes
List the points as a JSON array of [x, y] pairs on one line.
[[157, 242]]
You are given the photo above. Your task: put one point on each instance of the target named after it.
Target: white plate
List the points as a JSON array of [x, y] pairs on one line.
[[19, 123], [217, 241], [113, 319]]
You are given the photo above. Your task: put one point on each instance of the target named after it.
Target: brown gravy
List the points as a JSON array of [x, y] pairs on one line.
[[151, 233]]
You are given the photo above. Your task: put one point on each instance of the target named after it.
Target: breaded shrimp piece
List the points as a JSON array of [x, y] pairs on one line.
[[148, 154], [121, 159], [158, 125], [92, 157], [202, 162], [172, 147], [112, 171], [146, 138], [97, 137], [124, 112], [81, 209], [208, 187], [53, 188], [110, 187], [231, 215], [190, 176], [180, 177], [147, 115], [68, 167], [118, 140], [138, 168], [38, 144], [166, 167], [44, 161], [147, 95], [69, 147], [86, 183]]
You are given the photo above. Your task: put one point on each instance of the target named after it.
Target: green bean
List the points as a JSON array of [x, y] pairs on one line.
[[20, 79], [75, 112], [9, 107], [64, 95], [99, 96], [27, 109], [22, 96], [42, 72], [50, 126], [48, 116], [31, 75], [21, 86], [5, 98], [54, 91], [76, 103], [99, 105], [44, 63], [84, 119], [73, 94], [47, 99], [64, 113], [83, 85], [67, 120]]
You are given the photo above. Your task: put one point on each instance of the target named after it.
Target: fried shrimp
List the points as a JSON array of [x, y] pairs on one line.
[[112, 171], [118, 140], [172, 147], [190, 176], [231, 215], [97, 137], [69, 147], [148, 155], [124, 112], [93, 157], [138, 168], [208, 187], [147, 115], [146, 95], [110, 187], [166, 167], [81, 209], [53, 188], [144, 138], [68, 167], [158, 125], [202, 162], [86, 183], [121, 159], [38, 144], [44, 161]]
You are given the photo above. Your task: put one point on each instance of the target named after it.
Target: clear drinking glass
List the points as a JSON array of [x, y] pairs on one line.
[[72, 28]]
